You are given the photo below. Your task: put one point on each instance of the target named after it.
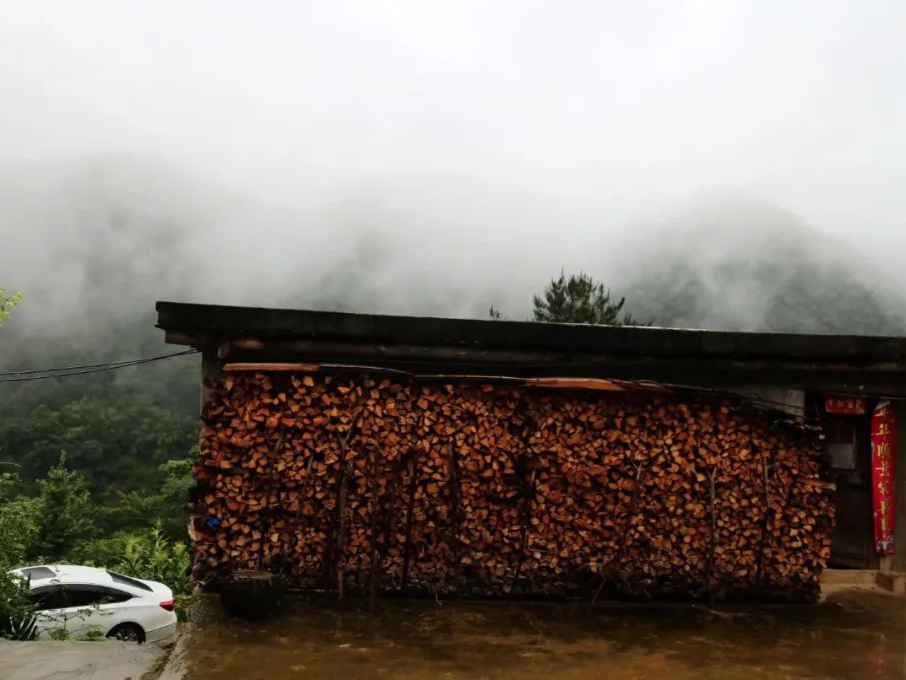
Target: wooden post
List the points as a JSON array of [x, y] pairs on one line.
[[336, 522], [300, 510], [265, 511], [409, 513], [526, 515], [899, 471], [341, 532], [713, 537], [624, 533], [765, 525], [210, 375], [376, 454]]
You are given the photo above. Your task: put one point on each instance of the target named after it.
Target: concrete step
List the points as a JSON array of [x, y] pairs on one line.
[[849, 577], [893, 581]]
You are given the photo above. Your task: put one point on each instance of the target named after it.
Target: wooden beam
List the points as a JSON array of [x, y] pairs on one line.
[[264, 366]]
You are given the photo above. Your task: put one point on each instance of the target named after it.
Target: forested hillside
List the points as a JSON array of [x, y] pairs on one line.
[[116, 426]]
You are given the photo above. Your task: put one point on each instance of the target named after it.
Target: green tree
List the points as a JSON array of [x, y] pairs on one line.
[[8, 302], [166, 508], [18, 528], [19, 518], [578, 298], [66, 512], [116, 435]]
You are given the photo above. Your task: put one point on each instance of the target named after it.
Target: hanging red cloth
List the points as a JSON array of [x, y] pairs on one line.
[[883, 455]]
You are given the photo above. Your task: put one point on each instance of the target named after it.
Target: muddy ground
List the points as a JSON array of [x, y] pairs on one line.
[[856, 633]]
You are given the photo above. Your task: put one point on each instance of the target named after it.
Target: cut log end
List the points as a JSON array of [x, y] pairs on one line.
[[251, 594]]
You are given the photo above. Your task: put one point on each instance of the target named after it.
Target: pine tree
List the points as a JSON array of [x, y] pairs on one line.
[[66, 512], [578, 298]]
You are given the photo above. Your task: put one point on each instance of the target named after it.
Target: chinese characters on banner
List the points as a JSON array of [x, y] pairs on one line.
[[883, 453], [844, 405]]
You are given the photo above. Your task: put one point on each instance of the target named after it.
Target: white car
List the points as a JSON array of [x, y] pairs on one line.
[[85, 601]]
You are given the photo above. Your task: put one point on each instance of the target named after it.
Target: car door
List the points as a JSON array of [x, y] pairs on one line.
[[84, 615], [51, 603], [78, 609], [93, 610], [112, 608]]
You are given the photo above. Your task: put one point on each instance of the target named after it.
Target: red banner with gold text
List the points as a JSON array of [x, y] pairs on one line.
[[883, 454], [844, 405]]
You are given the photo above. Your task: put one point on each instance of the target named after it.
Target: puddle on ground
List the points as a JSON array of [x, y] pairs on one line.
[[852, 635]]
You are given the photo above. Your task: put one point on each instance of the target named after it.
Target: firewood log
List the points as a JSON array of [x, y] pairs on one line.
[[353, 482]]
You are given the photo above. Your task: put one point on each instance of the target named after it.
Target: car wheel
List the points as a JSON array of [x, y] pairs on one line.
[[127, 632]]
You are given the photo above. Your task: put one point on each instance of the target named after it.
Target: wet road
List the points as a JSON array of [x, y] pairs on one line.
[[852, 635], [107, 660]]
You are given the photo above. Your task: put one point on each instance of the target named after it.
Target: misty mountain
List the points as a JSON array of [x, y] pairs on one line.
[[730, 262], [96, 242]]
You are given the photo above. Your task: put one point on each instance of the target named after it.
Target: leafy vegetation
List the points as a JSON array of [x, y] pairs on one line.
[[19, 523], [58, 525], [8, 302], [147, 554], [164, 506], [117, 430], [18, 527]]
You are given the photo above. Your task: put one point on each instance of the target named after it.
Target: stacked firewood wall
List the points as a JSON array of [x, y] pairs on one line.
[[361, 483]]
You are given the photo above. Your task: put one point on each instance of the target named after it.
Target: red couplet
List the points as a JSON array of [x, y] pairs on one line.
[[883, 455]]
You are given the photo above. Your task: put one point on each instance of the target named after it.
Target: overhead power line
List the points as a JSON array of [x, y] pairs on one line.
[[101, 365], [65, 372]]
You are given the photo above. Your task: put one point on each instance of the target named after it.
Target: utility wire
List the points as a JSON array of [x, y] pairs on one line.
[[67, 368], [46, 373]]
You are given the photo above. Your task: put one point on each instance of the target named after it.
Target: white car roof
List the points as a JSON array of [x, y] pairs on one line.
[[68, 573], [65, 574]]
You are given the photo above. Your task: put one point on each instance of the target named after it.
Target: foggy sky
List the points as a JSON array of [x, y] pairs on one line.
[[478, 147]]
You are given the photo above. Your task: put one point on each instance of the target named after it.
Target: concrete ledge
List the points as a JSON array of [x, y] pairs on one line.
[[849, 577], [834, 580], [893, 581]]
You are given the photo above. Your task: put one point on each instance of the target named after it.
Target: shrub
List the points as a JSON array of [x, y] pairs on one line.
[[17, 616], [148, 555]]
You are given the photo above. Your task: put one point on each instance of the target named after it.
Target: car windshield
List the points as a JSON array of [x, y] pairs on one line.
[[128, 581]]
